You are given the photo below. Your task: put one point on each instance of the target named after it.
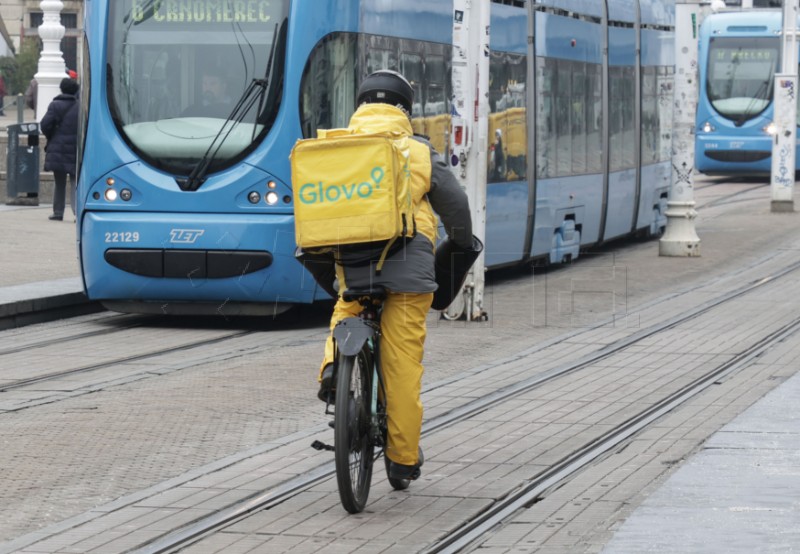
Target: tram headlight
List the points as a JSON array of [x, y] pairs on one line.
[[708, 127], [111, 195], [272, 198], [254, 197], [125, 194], [771, 129]]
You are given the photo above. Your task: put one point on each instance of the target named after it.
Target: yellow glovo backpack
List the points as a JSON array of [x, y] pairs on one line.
[[352, 188]]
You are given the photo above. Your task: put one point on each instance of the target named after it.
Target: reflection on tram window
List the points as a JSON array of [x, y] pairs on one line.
[[338, 64], [508, 146]]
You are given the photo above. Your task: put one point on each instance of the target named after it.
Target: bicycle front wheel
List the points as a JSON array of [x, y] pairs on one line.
[[353, 447]]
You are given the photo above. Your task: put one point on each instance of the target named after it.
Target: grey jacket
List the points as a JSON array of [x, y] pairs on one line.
[[411, 267]]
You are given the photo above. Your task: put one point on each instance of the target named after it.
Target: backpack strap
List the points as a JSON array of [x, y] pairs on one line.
[[382, 259]]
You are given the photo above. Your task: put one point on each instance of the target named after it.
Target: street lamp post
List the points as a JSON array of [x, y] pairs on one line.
[[785, 141], [680, 238], [470, 111], [51, 67]]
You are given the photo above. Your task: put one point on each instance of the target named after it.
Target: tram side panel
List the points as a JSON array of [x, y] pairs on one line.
[[657, 86], [569, 141]]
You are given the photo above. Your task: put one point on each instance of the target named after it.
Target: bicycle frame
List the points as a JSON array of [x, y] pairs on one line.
[[350, 336], [359, 426]]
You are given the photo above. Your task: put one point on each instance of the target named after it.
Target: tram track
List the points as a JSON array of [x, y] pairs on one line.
[[473, 531], [20, 383], [67, 339], [533, 488], [728, 197], [119, 329]]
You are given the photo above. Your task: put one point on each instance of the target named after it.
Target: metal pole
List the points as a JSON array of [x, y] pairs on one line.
[[51, 62], [470, 111], [680, 238], [785, 143]]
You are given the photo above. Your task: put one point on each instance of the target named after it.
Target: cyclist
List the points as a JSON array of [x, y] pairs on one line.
[[408, 273]]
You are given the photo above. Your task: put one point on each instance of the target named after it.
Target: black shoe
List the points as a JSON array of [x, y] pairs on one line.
[[55, 217], [327, 393], [400, 471]]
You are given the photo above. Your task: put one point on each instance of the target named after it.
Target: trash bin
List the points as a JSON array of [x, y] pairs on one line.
[[22, 163]]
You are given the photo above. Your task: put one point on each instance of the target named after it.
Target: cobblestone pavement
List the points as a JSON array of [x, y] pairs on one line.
[[187, 411]]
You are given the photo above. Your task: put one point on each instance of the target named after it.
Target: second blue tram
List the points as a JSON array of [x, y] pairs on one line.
[[739, 54], [191, 107]]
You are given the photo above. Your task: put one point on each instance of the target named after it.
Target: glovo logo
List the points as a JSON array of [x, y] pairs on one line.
[[317, 193]]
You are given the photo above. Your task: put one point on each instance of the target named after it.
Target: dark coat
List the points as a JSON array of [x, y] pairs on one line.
[[60, 126]]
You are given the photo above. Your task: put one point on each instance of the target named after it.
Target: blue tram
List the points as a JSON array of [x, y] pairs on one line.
[[739, 54], [191, 107]]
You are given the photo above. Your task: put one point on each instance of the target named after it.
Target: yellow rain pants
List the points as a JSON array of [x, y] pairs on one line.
[[403, 332]]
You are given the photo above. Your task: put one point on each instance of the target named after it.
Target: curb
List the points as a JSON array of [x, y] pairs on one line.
[[43, 301]]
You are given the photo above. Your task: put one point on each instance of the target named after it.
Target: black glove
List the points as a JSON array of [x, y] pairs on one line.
[[452, 265], [322, 267]]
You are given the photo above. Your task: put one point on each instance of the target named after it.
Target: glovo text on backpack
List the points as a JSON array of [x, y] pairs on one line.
[[363, 184]]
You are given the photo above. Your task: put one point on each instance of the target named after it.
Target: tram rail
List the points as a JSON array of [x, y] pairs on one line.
[[49, 342], [529, 491], [472, 531]]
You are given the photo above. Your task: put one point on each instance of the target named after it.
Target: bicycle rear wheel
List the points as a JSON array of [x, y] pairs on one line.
[[353, 447]]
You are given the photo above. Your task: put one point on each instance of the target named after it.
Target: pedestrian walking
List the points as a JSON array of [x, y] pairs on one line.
[[31, 94], [2, 93], [60, 127]]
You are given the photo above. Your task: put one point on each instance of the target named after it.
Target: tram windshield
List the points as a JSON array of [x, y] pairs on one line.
[[177, 71], [741, 72]]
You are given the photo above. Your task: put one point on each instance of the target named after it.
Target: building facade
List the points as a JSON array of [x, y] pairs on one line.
[[23, 17]]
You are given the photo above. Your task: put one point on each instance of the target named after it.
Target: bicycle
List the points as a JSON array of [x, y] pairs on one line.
[[360, 421]]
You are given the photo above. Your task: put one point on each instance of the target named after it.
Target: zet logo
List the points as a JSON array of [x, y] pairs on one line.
[[185, 236], [313, 193]]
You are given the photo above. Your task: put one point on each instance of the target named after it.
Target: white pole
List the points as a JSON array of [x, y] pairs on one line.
[[51, 62], [785, 142], [468, 140], [680, 238], [747, 4]]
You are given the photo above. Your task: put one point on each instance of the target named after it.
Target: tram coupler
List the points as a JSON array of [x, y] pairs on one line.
[[319, 445]]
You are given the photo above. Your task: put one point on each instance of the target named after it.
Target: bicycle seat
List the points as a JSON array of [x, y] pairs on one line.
[[375, 292]]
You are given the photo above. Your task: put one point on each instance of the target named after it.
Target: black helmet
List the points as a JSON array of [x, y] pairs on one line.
[[386, 87]]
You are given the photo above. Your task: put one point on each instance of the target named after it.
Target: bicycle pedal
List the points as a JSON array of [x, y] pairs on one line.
[[319, 445]]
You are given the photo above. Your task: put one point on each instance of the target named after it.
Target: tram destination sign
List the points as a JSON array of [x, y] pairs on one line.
[[203, 11]]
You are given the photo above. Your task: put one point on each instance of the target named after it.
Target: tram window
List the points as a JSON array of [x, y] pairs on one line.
[[435, 75], [579, 119], [340, 61], [594, 119], [616, 124], [328, 87], [85, 96], [412, 70], [508, 134], [435, 107], [545, 127], [741, 74], [563, 131], [628, 117], [380, 58], [649, 115], [155, 69]]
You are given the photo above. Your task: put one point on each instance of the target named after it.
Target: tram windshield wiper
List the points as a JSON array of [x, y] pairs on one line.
[[761, 93], [255, 92]]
